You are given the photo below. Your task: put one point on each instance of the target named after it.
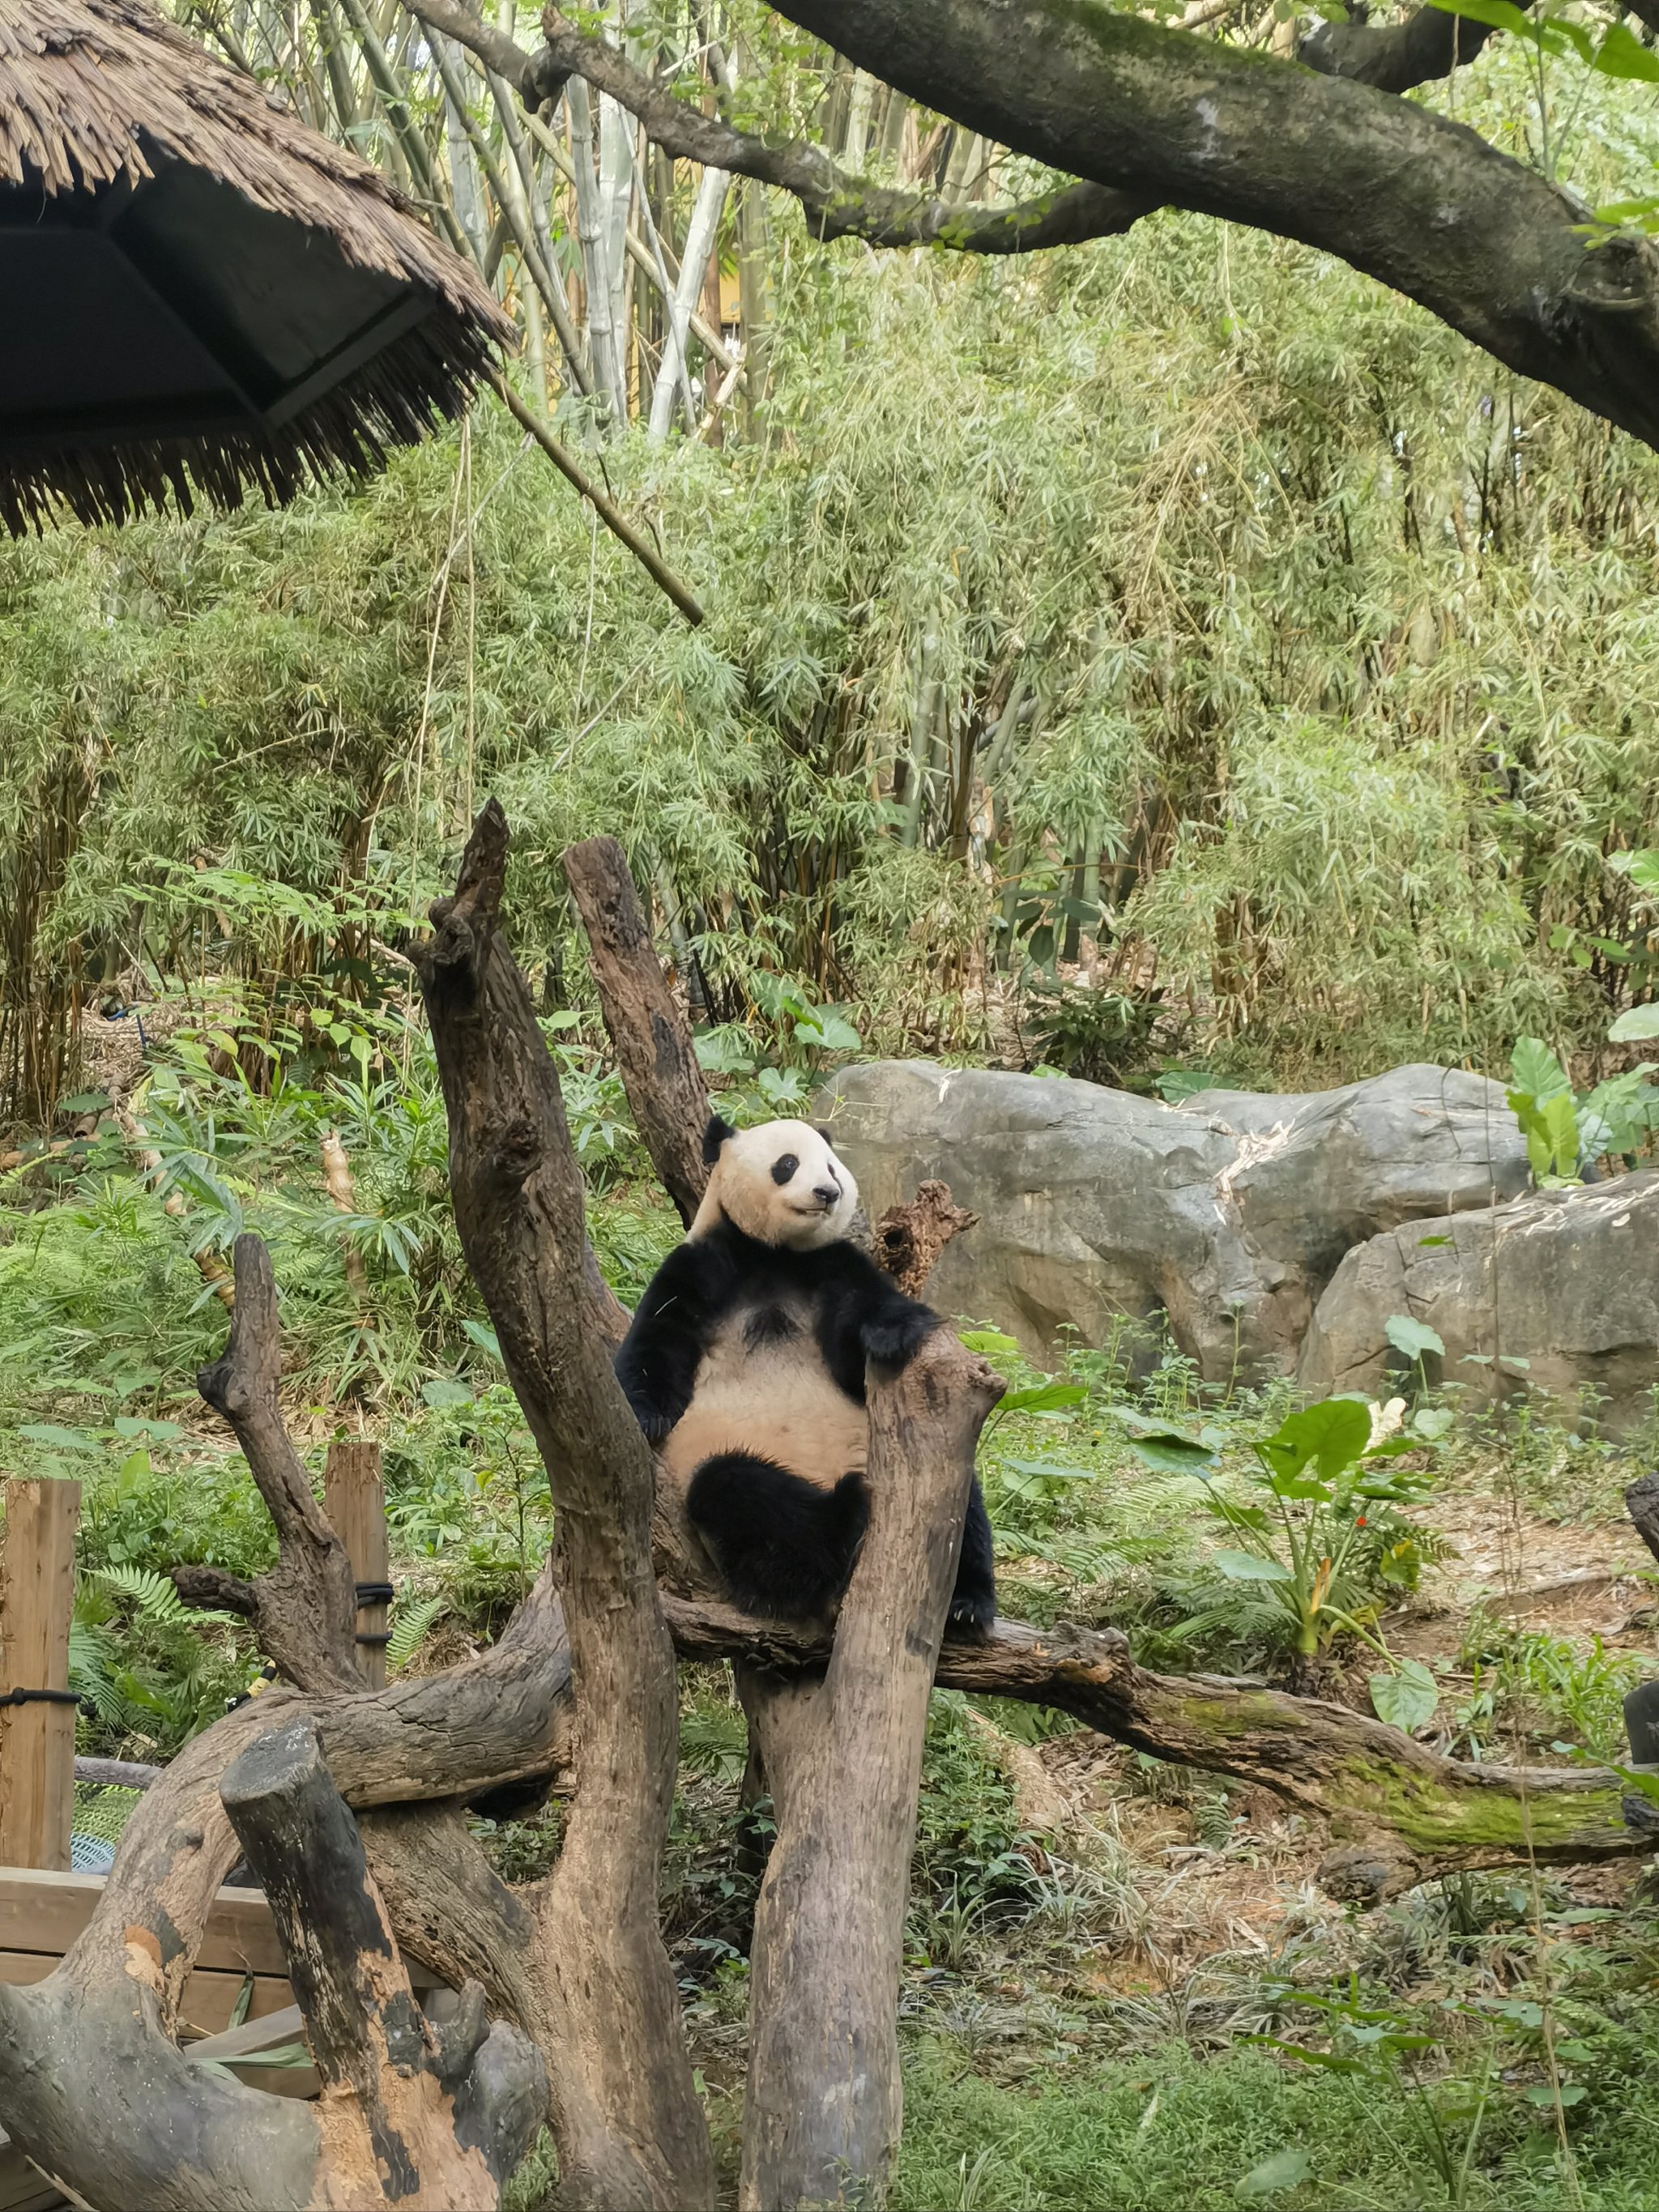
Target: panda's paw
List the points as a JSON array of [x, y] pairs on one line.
[[895, 1343], [654, 1426], [972, 1616]]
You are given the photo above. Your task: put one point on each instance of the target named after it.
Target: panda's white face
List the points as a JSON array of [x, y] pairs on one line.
[[780, 1183]]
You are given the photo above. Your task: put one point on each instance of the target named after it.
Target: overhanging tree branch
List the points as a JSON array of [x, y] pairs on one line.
[[836, 206], [1395, 57], [1421, 202], [1155, 117]]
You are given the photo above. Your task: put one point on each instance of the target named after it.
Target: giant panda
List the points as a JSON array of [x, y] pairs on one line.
[[745, 1366]]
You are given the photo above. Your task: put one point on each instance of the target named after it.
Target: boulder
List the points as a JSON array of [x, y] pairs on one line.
[[1225, 1217], [1558, 1293]]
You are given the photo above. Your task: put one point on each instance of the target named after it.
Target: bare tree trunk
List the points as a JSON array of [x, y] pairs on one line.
[[603, 346], [825, 2100], [631, 2129], [649, 1033]]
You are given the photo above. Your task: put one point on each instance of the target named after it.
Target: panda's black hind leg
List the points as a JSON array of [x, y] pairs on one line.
[[973, 1602], [783, 1546]]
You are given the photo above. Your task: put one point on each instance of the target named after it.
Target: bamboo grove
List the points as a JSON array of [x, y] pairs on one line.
[[1174, 648]]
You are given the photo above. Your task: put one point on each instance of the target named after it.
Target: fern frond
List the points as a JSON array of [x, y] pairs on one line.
[[149, 1593], [409, 1626]]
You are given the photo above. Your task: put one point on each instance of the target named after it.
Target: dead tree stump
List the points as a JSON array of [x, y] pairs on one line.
[[412, 2115]]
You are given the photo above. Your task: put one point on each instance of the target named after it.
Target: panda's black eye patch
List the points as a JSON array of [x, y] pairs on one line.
[[783, 1168]]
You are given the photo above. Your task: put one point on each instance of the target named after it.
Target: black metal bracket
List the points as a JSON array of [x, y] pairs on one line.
[[39, 1696]]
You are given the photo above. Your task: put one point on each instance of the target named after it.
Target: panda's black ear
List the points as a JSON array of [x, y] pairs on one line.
[[714, 1137], [828, 1135]]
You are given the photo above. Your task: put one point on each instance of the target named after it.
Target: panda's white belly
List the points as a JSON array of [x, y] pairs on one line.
[[775, 1399]]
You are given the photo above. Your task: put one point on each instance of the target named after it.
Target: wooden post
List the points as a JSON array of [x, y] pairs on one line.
[[37, 1739], [354, 1502]]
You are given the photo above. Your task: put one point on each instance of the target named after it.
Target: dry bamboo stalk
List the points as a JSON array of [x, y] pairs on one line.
[[336, 1173]]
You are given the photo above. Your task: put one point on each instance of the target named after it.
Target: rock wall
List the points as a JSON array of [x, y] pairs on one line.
[[1557, 1292], [1227, 1215]]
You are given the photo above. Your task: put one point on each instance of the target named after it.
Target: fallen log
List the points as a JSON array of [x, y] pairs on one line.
[[1400, 1812]]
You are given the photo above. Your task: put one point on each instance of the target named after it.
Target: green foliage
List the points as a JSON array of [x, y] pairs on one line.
[[1565, 1129], [1312, 1542], [412, 1620]]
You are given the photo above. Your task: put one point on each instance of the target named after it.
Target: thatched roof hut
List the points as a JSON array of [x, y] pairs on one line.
[[198, 294]]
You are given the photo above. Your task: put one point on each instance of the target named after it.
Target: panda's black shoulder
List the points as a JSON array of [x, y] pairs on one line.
[[701, 1277]]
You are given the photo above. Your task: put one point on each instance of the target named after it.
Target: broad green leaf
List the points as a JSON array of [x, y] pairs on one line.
[[1412, 1337], [1499, 13], [1332, 1434], [485, 1339], [1299, 1485], [1172, 1455], [1406, 1699], [1636, 1024], [1570, 2093], [1622, 54], [1285, 2169], [49, 1433], [441, 1393], [1538, 1073], [1429, 1243], [1041, 1397], [1249, 1567], [989, 1342]]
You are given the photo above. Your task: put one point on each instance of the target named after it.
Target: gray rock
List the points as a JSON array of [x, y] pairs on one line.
[[1103, 1211], [1565, 1281]]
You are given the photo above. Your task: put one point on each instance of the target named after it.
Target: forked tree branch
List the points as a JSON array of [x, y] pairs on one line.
[[1404, 195], [304, 1608], [630, 2127], [837, 204]]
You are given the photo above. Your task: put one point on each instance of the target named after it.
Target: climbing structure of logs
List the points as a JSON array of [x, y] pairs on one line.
[[346, 1799]]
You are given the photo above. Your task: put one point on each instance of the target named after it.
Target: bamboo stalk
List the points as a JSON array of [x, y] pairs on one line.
[[613, 519]]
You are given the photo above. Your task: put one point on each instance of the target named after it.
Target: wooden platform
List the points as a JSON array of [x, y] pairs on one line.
[[41, 1915]]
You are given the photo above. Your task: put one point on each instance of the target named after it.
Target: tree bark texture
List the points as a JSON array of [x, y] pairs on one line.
[[630, 2127], [821, 2116], [430, 2118], [647, 1031]]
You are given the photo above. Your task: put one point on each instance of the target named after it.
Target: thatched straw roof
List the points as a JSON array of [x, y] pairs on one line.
[[195, 289]]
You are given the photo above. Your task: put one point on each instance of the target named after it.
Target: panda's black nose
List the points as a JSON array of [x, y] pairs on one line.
[[826, 1192]]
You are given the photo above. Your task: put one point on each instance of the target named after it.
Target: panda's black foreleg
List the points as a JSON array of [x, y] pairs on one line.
[[974, 1604], [783, 1546]]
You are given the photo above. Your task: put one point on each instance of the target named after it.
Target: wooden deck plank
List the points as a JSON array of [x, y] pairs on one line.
[[42, 1912]]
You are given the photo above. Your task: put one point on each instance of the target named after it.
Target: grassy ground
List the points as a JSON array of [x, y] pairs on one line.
[[1106, 1957]]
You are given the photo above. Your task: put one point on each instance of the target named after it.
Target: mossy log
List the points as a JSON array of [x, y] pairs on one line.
[[1400, 1813]]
